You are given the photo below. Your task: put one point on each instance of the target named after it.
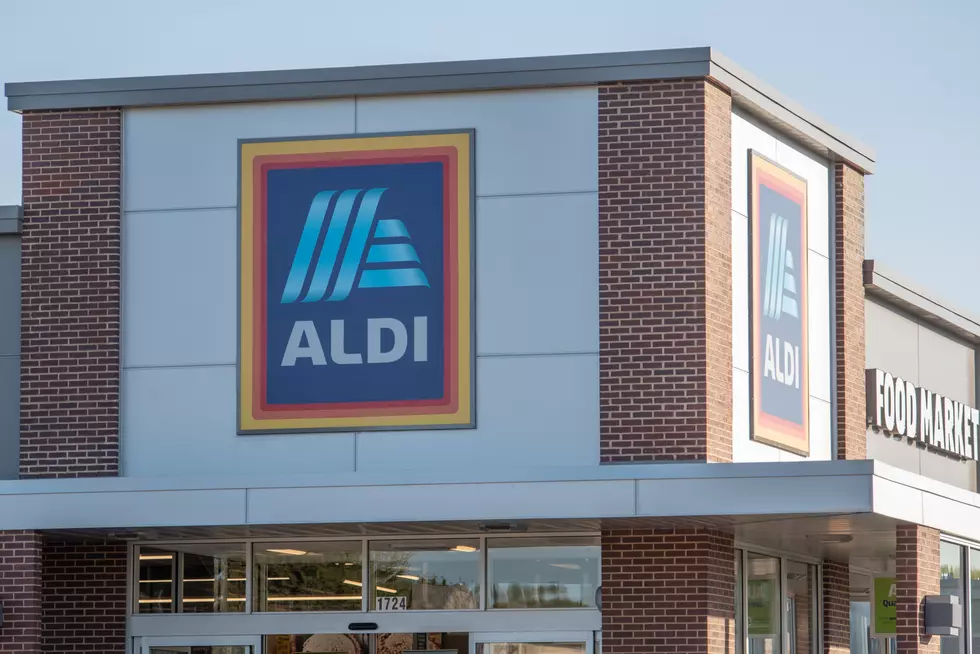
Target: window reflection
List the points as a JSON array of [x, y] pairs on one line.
[[800, 601], [950, 583], [308, 576], [429, 574], [975, 599], [762, 603], [534, 648], [213, 578], [554, 572]]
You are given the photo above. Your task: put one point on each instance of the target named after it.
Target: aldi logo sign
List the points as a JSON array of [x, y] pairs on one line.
[[780, 394], [356, 283]]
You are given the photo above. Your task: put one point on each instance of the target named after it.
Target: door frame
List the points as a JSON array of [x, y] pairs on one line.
[[143, 645], [587, 637]]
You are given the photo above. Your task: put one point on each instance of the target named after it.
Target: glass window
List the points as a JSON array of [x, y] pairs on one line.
[[428, 574], [801, 601], [212, 578], [307, 576], [362, 643], [533, 648], [950, 583], [155, 585], [975, 599], [762, 603], [553, 572]]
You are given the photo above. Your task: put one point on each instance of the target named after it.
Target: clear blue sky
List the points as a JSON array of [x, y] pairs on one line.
[[898, 75]]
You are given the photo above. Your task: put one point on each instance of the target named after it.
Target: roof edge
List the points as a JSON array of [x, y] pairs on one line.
[[751, 92], [426, 77], [883, 283], [447, 76]]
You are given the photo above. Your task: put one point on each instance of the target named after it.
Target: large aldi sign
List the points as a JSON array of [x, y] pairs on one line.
[[356, 283], [779, 386]]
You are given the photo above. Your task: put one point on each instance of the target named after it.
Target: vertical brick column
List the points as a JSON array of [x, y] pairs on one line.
[[20, 591], [917, 573], [665, 272], [836, 584], [803, 614], [668, 590], [84, 598], [849, 293], [69, 397]]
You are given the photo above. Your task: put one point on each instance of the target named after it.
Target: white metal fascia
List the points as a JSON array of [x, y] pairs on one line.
[[909, 497], [635, 491]]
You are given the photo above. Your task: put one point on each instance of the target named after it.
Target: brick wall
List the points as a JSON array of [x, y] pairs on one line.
[[667, 590], [803, 618], [849, 251], [69, 397], [665, 271], [836, 607], [84, 599], [917, 575], [20, 591]]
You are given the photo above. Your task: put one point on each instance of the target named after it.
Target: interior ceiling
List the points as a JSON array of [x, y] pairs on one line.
[[870, 538]]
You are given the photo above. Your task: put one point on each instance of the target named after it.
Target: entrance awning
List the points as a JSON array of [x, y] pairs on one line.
[[717, 492]]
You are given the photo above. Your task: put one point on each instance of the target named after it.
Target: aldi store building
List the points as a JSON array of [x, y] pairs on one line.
[[561, 355]]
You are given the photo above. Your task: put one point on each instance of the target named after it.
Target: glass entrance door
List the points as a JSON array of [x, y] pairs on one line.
[[545, 642], [199, 645]]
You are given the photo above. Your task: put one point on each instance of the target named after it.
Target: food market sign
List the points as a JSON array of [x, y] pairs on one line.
[[899, 408]]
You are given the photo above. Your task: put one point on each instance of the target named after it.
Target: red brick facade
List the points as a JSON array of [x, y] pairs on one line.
[[849, 252], [69, 397], [836, 584], [84, 600], [20, 591], [917, 573], [60, 596], [665, 272], [668, 590]]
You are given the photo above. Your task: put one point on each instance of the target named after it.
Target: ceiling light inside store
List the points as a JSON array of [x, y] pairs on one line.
[[156, 557], [316, 598], [350, 582], [288, 552], [409, 577], [386, 590], [278, 579], [566, 566], [462, 548]]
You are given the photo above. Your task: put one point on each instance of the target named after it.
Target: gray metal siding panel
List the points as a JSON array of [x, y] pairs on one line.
[[9, 356]]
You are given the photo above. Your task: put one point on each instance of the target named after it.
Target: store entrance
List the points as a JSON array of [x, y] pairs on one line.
[[198, 645], [548, 642], [375, 643]]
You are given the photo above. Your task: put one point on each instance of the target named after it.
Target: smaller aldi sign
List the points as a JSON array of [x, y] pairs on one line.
[[778, 291], [356, 283]]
